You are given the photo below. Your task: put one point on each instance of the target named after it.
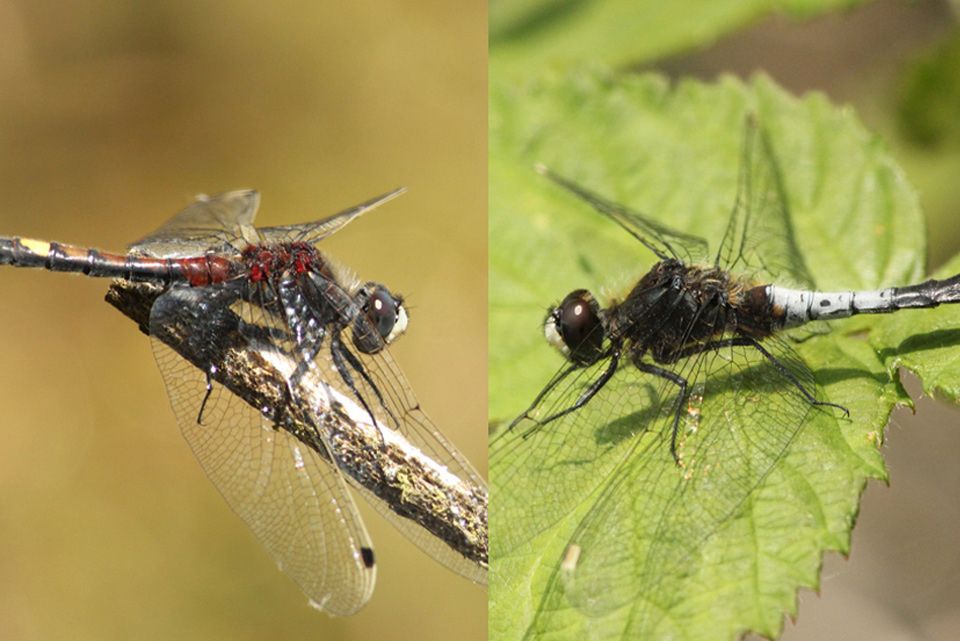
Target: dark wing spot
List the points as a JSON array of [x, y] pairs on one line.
[[825, 302], [367, 555]]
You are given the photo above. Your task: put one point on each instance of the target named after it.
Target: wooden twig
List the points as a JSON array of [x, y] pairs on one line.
[[377, 460]]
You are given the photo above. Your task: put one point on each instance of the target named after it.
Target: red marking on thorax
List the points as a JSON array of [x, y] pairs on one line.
[[266, 261]]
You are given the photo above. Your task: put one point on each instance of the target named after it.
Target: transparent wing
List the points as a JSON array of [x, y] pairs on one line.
[[542, 473], [643, 537], [658, 238], [381, 384], [544, 467], [759, 240], [420, 430], [316, 231], [209, 223], [294, 501], [401, 411]]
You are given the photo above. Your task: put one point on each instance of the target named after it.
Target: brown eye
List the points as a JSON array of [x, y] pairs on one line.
[[381, 311], [382, 318], [575, 327]]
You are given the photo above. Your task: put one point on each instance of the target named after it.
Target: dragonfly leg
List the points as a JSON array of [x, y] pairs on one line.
[[553, 383], [355, 363], [790, 376], [712, 346], [206, 397], [588, 394], [747, 341], [680, 382], [337, 350]]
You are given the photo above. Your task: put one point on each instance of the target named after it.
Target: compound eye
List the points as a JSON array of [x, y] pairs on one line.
[[382, 312], [383, 318], [576, 329]]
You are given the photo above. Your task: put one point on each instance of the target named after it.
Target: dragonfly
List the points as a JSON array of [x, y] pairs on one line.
[[673, 404], [276, 363]]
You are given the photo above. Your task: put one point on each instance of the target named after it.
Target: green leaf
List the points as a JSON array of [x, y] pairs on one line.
[[673, 153], [924, 342], [526, 33]]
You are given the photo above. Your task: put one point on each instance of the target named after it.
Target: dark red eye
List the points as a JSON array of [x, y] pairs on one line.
[[382, 311], [382, 318], [578, 325]]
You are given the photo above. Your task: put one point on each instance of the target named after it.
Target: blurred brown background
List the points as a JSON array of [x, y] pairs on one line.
[[113, 114], [898, 64]]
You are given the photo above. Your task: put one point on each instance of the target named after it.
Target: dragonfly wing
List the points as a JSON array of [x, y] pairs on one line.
[[401, 411], [209, 223], [544, 472], [382, 386], [553, 456], [759, 240], [646, 532], [295, 502], [660, 239], [316, 231]]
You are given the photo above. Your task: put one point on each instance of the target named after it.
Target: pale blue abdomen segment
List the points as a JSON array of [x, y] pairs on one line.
[[797, 306]]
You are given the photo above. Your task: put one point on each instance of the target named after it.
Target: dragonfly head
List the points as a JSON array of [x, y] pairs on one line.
[[575, 327], [382, 318]]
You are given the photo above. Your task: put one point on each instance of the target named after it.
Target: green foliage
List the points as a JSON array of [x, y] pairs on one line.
[[924, 342], [526, 33], [673, 153]]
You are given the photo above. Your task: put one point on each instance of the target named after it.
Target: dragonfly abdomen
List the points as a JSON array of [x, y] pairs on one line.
[[795, 307], [61, 257]]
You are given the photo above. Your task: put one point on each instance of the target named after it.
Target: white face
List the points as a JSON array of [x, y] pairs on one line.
[[382, 318], [400, 326], [552, 334]]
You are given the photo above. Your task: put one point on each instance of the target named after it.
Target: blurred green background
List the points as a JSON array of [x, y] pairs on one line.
[[897, 64], [113, 115]]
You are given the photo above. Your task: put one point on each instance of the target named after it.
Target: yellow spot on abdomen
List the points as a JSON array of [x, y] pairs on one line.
[[39, 247]]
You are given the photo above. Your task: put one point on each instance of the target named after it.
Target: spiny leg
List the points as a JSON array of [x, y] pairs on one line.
[[336, 353], [585, 397], [746, 341], [206, 396], [553, 383], [355, 363], [680, 382], [712, 346]]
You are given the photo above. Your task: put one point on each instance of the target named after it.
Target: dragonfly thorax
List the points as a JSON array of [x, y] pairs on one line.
[[672, 307], [266, 262], [376, 316]]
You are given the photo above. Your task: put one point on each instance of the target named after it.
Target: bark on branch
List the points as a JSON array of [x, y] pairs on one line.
[[377, 461]]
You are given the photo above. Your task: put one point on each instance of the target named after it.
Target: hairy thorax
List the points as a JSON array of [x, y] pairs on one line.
[[676, 307]]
